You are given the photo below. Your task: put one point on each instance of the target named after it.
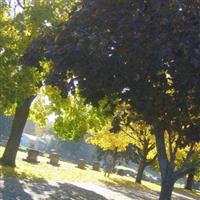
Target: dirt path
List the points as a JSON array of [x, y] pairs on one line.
[[105, 192], [113, 193], [14, 189]]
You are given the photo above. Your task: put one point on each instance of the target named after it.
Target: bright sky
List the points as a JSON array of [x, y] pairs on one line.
[[15, 9], [51, 118]]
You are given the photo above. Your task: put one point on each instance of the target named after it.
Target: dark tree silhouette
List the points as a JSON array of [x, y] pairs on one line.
[[145, 53]]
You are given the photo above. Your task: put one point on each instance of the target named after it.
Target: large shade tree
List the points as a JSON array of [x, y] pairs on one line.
[[17, 85], [21, 22], [145, 53]]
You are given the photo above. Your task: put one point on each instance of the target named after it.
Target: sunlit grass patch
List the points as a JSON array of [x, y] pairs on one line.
[[116, 181], [66, 172]]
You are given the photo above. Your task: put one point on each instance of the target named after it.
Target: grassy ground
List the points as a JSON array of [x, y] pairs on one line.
[[68, 172]]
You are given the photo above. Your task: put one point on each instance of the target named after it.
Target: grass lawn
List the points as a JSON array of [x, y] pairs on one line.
[[68, 172]]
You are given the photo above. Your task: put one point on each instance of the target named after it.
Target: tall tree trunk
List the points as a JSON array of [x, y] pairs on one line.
[[189, 182], [167, 186], [168, 180], [19, 121], [140, 171]]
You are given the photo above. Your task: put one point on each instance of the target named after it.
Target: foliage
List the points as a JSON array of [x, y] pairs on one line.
[[145, 53], [108, 140], [133, 136], [182, 154], [12, 85], [116, 58], [185, 154], [19, 25], [73, 117], [34, 19]]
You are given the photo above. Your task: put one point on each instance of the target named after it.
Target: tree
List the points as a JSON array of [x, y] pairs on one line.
[[194, 173], [141, 133], [136, 134], [142, 52], [14, 80], [22, 83], [192, 176], [190, 180], [187, 155], [73, 117]]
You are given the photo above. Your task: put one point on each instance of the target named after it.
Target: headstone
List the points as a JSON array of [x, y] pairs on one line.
[[96, 166], [54, 159], [120, 172], [81, 164], [32, 156]]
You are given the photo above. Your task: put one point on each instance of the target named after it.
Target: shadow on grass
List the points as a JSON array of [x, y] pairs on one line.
[[186, 192], [23, 186], [11, 187], [130, 189]]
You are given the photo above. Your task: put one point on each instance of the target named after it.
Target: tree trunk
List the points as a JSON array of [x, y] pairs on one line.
[[189, 182], [167, 186], [162, 155], [168, 180], [19, 121], [140, 171]]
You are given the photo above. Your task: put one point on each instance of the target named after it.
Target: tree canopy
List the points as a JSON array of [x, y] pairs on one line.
[[145, 53], [22, 22], [73, 117]]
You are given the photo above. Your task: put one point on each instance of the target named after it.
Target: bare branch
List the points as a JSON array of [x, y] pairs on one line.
[[131, 127], [151, 147], [20, 4]]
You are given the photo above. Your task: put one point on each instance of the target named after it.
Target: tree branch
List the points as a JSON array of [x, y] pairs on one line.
[[127, 134], [150, 161], [151, 147], [172, 151], [20, 4], [183, 172]]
